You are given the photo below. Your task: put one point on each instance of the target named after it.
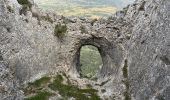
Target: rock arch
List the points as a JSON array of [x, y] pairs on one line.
[[111, 54]]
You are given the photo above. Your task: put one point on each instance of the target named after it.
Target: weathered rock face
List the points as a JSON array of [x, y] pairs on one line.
[[148, 51], [134, 46]]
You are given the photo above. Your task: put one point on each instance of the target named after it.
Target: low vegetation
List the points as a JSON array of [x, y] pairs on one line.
[[39, 90], [60, 30], [40, 96], [24, 2], [69, 90], [40, 82]]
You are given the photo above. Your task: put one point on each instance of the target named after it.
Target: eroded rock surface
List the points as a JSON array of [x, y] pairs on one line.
[[134, 45]]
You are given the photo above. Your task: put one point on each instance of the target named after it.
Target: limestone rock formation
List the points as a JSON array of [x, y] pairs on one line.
[[134, 46]]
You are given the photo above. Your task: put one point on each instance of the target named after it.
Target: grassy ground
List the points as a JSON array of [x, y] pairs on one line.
[[42, 89], [90, 61]]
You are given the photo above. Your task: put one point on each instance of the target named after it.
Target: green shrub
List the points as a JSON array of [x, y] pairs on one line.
[[36, 86], [60, 30], [26, 6], [40, 82], [24, 2]]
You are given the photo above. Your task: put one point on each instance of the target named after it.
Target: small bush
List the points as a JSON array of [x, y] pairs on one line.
[[26, 6], [24, 2], [60, 30], [39, 90]]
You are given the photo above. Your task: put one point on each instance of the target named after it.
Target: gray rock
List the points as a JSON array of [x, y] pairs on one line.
[[134, 45]]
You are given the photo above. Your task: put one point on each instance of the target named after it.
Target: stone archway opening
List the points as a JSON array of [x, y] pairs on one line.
[[110, 53], [90, 61]]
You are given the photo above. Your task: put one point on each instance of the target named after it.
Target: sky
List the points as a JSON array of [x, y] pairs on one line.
[[84, 8]]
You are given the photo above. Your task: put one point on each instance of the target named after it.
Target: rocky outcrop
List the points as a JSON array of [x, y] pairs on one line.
[[148, 51], [133, 43]]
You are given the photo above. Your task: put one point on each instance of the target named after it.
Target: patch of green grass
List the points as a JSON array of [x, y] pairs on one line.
[[60, 31], [40, 82], [69, 90], [36, 86], [40, 96]]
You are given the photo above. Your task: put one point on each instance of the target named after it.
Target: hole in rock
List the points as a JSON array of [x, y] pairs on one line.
[[90, 61], [96, 58]]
